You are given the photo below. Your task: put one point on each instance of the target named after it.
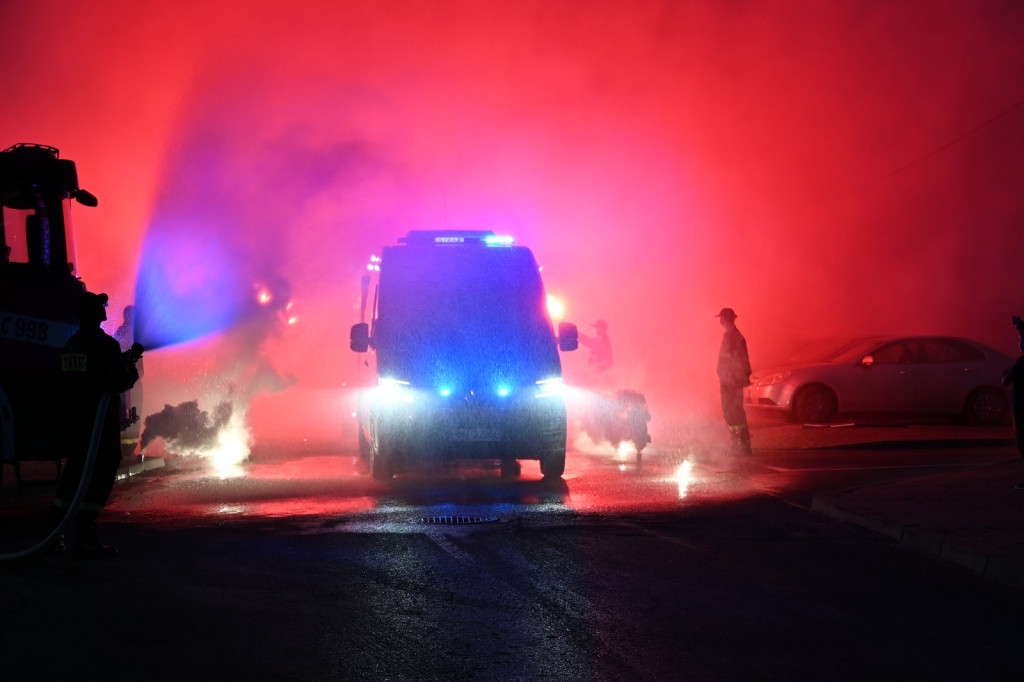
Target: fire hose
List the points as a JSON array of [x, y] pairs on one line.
[[83, 486]]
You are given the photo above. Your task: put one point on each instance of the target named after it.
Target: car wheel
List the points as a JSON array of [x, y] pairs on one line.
[[552, 465], [815, 404], [382, 466], [987, 407]]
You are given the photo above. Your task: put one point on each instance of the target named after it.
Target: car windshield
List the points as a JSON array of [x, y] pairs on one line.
[[833, 350]]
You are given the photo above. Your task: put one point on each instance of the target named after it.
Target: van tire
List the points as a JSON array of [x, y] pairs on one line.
[[510, 468], [382, 466], [553, 464], [364, 444]]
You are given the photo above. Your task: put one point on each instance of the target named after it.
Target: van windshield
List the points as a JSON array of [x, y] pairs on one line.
[[463, 313], [13, 222]]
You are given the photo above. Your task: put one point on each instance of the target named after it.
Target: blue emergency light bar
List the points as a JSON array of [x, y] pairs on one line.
[[455, 238]]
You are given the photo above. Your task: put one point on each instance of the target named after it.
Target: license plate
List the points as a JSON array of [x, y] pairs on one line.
[[477, 434]]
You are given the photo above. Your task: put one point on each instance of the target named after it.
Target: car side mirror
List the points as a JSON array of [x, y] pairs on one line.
[[867, 360], [359, 337], [568, 336]]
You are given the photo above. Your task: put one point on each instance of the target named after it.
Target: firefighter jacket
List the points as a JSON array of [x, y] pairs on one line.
[[92, 364], [733, 361]]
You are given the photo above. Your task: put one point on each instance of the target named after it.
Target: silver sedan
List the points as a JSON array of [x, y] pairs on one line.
[[912, 374]]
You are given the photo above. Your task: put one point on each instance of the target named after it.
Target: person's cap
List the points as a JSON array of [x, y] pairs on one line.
[[90, 305], [728, 313]]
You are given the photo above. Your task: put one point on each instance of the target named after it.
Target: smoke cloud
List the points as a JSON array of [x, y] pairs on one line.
[[185, 428], [823, 168]]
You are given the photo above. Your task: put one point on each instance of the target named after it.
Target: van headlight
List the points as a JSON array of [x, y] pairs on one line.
[[546, 388], [395, 391]]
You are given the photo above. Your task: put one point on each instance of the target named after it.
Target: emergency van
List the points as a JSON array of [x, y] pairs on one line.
[[462, 356]]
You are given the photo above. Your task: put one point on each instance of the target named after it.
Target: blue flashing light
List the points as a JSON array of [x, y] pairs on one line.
[[445, 392], [499, 240], [503, 391]]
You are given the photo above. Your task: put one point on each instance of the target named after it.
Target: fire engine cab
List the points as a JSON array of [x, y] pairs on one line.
[[38, 287], [462, 355]]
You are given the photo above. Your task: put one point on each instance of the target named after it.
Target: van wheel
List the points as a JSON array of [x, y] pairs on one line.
[[510, 468], [553, 464], [382, 466], [364, 445]]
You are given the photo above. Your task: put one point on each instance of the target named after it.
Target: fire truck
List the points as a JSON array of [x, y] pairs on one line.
[[462, 356], [38, 286]]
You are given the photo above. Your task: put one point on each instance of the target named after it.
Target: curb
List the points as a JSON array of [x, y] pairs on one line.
[[1004, 571], [921, 444]]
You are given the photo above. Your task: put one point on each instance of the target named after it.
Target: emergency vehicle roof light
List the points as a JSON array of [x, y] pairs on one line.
[[454, 238], [29, 148]]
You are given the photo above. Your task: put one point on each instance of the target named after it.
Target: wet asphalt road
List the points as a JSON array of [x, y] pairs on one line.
[[301, 567]]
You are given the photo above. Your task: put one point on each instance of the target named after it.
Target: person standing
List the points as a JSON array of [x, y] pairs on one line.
[[1014, 378], [733, 376], [600, 346], [131, 400], [91, 365]]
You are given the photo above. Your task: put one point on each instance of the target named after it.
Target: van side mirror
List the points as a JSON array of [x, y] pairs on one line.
[[85, 198], [568, 336], [359, 337], [867, 360]]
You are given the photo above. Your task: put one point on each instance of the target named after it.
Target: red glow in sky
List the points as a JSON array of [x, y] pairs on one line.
[[823, 168]]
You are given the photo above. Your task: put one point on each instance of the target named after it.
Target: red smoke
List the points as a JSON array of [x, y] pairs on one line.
[[823, 168]]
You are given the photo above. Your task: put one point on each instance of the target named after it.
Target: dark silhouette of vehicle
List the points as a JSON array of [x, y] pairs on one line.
[[38, 288], [462, 356], [896, 375]]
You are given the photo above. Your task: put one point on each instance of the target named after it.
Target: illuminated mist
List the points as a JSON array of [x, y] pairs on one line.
[[823, 168]]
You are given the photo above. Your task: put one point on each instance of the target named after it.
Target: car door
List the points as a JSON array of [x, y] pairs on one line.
[[884, 380], [951, 370]]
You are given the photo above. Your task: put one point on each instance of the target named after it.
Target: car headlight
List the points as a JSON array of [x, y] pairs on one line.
[[774, 378], [546, 388]]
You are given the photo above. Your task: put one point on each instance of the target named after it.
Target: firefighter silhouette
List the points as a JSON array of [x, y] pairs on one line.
[[600, 347], [733, 376], [91, 365], [1014, 378], [131, 400]]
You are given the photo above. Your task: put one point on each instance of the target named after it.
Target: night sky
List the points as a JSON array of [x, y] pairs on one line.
[[825, 168]]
